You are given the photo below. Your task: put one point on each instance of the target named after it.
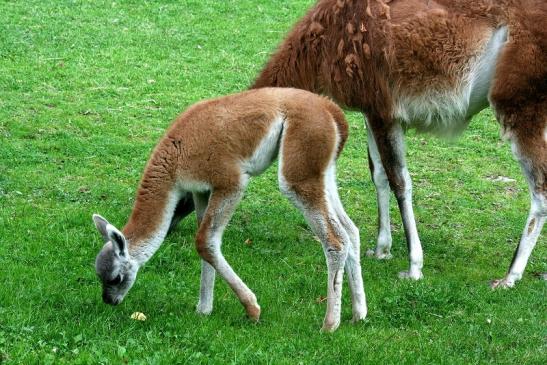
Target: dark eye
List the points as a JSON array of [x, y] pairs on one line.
[[115, 281]]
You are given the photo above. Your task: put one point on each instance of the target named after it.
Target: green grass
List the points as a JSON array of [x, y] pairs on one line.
[[87, 89]]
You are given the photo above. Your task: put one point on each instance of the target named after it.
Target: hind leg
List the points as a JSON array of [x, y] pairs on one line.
[[310, 198], [207, 282], [534, 224], [336, 257], [304, 158], [519, 98], [530, 148], [353, 261], [532, 230]]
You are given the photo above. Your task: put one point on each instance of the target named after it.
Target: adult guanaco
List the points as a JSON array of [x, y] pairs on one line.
[[429, 65]]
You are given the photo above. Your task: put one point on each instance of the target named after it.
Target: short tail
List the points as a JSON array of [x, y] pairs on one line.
[[184, 207]]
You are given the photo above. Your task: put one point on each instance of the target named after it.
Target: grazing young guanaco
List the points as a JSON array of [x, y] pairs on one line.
[[210, 152]]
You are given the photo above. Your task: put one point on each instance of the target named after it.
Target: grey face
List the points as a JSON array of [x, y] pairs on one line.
[[116, 272], [114, 267]]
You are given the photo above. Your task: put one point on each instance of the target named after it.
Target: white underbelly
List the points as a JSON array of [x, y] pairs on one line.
[[266, 151], [446, 112]]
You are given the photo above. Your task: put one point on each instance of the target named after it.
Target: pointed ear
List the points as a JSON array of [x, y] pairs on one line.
[[101, 225], [117, 238]]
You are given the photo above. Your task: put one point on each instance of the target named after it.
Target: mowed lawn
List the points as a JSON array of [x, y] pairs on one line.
[[87, 89]]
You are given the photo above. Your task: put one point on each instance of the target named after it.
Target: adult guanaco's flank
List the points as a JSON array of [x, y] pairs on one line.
[[210, 152]]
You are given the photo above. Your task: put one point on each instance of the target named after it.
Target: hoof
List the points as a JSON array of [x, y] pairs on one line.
[[329, 327], [380, 256], [411, 275], [501, 283], [359, 317], [253, 312], [359, 311], [203, 309]]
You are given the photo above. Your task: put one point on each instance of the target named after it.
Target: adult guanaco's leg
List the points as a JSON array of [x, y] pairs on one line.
[[388, 138]]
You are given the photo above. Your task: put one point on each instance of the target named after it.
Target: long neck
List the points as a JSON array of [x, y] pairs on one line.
[[280, 71], [325, 53], [152, 213], [336, 49], [296, 62]]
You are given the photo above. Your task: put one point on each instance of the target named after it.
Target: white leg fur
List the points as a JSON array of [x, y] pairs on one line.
[[353, 261], [379, 177], [416, 256], [534, 225], [206, 289], [336, 261], [409, 223], [335, 264], [532, 230], [207, 282]]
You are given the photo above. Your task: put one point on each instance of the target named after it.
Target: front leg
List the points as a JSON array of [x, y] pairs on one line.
[[208, 242], [206, 289], [388, 136], [380, 180]]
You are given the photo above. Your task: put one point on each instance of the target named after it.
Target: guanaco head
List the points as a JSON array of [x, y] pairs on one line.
[[115, 268]]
